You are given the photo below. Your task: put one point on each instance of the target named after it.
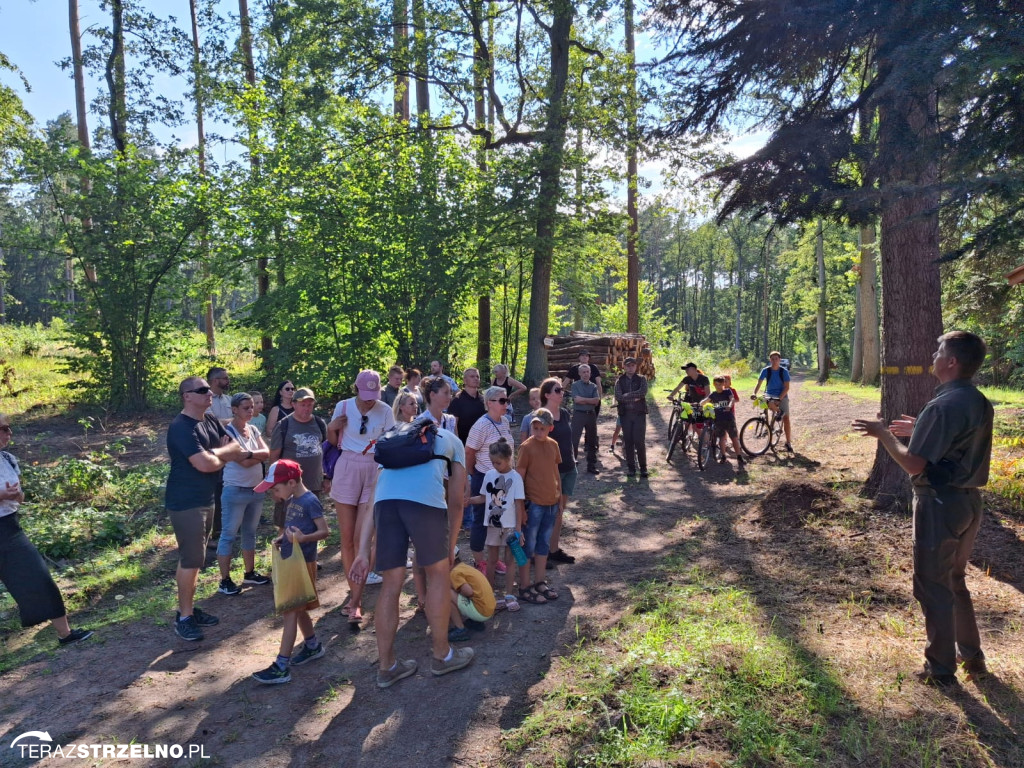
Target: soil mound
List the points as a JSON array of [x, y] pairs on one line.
[[793, 504]]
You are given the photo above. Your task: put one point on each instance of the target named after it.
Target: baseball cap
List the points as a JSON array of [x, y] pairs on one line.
[[583, 352], [691, 364], [304, 393], [629, 360], [281, 471], [368, 385]]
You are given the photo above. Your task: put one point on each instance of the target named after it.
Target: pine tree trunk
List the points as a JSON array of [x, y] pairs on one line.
[[819, 253], [82, 120], [420, 54], [204, 238], [857, 345], [549, 173], [632, 145], [869, 306], [400, 42], [911, 294]]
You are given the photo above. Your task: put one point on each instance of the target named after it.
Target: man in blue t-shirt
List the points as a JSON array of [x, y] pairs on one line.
[[777, 385]]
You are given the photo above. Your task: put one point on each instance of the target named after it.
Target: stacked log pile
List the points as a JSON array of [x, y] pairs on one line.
[[607, 352]]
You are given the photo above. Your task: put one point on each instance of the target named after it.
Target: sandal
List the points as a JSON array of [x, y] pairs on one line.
[[543, 589], [511, 604], [530, 596]]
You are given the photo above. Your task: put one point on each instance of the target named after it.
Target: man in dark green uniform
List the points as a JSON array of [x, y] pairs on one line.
[[948, 460]]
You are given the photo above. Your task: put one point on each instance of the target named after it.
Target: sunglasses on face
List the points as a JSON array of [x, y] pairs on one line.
[[287, 389], [556, 390], [199, 391], [362, 424], [502, 400]]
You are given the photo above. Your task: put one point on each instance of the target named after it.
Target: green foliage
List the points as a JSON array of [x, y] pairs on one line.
[[652, 324], [77, 506]]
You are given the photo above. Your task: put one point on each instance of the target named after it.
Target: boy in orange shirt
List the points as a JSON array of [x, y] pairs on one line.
[[539, 458]]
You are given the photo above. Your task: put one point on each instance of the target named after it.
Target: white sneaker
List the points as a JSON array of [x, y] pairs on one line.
[[373, 579]]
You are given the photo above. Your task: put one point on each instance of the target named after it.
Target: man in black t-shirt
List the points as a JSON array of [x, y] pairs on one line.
[[199, 448]]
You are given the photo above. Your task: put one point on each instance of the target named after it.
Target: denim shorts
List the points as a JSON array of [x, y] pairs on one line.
[[240, 511], [540, 520]]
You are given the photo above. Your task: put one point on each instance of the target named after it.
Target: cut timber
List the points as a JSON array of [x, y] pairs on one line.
[[608, 352]]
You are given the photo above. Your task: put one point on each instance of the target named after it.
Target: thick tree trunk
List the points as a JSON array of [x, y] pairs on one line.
[[115, 74], [632, 146], [819, 254], [480, 68], [549, 173], [911, 295], [869, 306]]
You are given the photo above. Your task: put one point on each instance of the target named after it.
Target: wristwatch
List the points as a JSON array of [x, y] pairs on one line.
[[250, 455]]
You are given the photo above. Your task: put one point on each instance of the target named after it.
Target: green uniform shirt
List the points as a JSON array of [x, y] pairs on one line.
[[956, 426]]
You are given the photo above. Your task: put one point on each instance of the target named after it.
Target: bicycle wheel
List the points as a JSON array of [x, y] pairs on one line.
[[672, 419], [706, 447], [756, 436], [678, 435]]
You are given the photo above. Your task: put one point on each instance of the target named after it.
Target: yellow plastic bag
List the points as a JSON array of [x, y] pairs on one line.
[[292, 586]]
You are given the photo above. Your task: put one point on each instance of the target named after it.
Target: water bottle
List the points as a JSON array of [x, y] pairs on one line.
[[517, 548]]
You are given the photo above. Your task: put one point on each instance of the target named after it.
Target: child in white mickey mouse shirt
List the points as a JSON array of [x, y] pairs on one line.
[[505, 498]]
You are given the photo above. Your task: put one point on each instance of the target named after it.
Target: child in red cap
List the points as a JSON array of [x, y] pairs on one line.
[[304, 525]]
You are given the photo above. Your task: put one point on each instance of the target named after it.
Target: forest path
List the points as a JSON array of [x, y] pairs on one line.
[[142, 684]]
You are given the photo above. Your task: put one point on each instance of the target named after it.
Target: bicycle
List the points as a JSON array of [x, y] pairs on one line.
[[763, 432], [707, 444], [680, 432]]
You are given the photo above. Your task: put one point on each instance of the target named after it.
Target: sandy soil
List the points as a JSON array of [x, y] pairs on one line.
[[838, 587]]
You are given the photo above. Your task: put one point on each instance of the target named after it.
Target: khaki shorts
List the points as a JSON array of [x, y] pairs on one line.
[[191, 530]]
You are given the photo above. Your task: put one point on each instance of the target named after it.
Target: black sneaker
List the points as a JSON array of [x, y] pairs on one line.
[[593, 470], [645, 474], [458, 635], [255, 578], [187, 629], [204, 619], [476, 626], [308, 654], [74, 636], [788, 447], [228, 587], [273, 675], [559, 556]]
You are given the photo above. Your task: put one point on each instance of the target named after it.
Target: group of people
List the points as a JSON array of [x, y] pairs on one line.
[[514, 500]]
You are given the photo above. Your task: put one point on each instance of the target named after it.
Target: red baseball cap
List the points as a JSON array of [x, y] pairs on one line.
[[280, 471]]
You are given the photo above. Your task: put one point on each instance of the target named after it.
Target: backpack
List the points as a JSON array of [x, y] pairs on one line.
[[408, 445], [330, 453]]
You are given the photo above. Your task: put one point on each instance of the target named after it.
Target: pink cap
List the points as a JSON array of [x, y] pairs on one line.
[[281, 471], [368, 385]]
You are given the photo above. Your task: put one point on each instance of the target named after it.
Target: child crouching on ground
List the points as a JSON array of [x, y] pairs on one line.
[[472, 602], [539, 458], [304, 526], [505, 514]]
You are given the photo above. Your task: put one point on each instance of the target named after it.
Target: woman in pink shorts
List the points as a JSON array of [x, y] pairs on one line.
[[355, 426]]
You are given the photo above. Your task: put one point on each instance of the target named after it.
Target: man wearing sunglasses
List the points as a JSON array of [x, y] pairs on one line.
[[199, 448]]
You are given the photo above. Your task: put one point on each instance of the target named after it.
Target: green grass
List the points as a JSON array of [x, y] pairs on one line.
[[692, 659], [857, 391]]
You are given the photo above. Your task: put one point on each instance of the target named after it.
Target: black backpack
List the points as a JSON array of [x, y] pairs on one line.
[[408, 445]]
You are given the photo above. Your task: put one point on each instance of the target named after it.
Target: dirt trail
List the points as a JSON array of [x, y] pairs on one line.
[[140, 683]]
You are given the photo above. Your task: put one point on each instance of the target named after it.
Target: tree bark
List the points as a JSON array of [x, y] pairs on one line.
[[262, 262], [632, 146], [401, 56], [82, 124], [911, 294], [204, 235], [115, 74], [857, 344], [819, 254], [480, 68], [421, 61], [869, 306], [549, 193]]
